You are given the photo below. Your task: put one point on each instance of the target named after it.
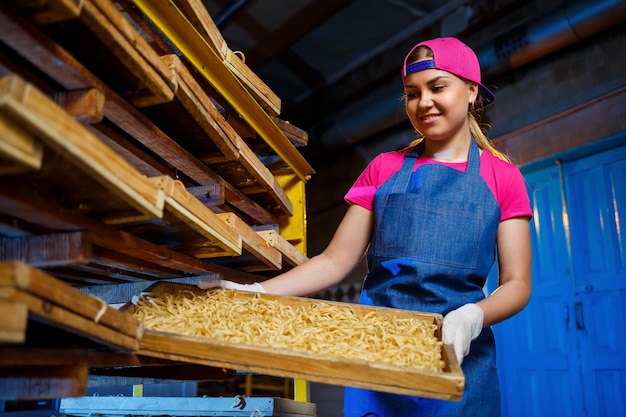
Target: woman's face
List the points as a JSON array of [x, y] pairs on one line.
[[437, 103]]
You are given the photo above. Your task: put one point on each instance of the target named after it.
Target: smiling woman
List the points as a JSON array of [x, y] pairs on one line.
[[431, 218]]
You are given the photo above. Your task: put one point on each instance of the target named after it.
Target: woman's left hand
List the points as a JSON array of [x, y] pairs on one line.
[[460, 327]]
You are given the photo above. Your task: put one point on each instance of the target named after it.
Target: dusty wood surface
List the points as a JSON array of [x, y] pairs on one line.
[[34, 383], [48, 250]]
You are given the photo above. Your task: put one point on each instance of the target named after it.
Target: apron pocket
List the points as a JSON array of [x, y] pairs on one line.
[[430, 230]]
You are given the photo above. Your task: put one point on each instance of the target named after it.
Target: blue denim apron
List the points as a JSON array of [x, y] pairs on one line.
[[432, 248]]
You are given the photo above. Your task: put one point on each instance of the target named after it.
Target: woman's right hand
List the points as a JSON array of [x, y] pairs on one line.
[[230, 285]]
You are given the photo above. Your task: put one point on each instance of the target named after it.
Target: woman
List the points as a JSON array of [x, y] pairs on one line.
[[432, 218]]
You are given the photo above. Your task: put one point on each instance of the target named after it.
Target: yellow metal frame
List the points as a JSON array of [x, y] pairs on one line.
[[293, 228], [168, 18], [301, 390]]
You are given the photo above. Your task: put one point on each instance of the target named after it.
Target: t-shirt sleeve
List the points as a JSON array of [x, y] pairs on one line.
[[513, 195], [362, 191]]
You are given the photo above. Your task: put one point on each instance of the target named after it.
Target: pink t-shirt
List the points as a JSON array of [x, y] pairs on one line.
[[504, 179]]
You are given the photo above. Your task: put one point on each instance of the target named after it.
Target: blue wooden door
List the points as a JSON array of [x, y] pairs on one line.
[[565, 354], [596, 196]]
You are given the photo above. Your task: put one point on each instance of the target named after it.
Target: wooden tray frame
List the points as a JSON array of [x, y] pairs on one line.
[[447, 385]]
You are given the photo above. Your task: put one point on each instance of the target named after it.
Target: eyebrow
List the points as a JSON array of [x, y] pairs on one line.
[[429, 82]]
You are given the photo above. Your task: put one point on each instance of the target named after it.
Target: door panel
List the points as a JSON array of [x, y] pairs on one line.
[[534, 347], [597, 206], [565, 354]]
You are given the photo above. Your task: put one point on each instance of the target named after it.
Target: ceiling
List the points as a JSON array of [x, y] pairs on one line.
[[335, 64]]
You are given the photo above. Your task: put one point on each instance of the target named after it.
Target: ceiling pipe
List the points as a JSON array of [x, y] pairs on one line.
[[229, 12], [564, 26]]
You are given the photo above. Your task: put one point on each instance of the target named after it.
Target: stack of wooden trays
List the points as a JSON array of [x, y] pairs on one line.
[[125, 161]]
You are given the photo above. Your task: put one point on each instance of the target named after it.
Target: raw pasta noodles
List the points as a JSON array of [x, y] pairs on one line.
[[316, 327]]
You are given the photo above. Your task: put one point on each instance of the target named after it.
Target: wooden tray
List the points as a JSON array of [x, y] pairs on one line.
[[448, 384], [26, 289]]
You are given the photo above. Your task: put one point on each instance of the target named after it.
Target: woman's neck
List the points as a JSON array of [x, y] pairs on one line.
[[447, 151]]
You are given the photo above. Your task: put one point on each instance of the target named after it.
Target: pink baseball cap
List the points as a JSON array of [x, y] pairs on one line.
[[452, 55]]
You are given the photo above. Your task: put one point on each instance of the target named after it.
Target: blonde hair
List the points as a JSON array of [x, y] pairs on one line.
[[478, 133]]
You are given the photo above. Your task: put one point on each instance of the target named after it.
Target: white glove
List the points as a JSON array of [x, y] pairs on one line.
[[460, 327], [229, 285]]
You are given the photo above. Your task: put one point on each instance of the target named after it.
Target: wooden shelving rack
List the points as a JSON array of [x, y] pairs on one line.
[[135, 146]]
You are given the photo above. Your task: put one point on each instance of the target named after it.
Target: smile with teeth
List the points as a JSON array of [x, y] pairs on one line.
[[429, 117]]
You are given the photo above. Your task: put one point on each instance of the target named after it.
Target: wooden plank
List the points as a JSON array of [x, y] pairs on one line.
[[227, 140], [296, 135], [65, 319], [96, 274], [14, 322], [146, 164], [291, 255], [36, 211], [253, 242], [50, 11], [266, 179], [19, 149], [180, 32], [206, 114], [144, 269], [175, 371], [208, 194], [47, 250], [447, 384], [122, 40], [195, 11], [184, 206], [198, 16], [40, 286], [38, 383], [109, 363], [139, 127], [86, 106], [45, 357], [37, 113], [259, 90]]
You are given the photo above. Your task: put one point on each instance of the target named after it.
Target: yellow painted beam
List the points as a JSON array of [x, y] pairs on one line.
[[138, 390], [293, 228], [168, 18], [301, 390]]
